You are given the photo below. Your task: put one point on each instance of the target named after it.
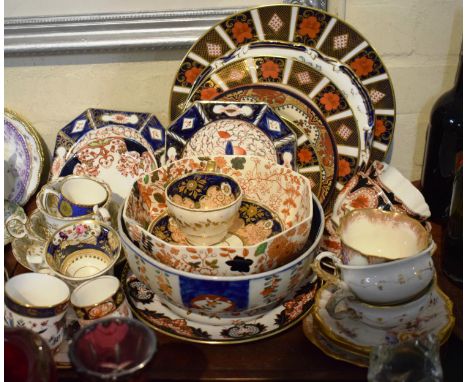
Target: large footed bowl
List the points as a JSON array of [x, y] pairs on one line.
[[229, 296], [276, 188]]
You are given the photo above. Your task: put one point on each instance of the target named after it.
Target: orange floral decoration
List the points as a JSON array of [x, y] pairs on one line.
[[361, 201], [304, 155], [208, 93], [270, 69], [344, 168], [331, 101], [241, 32], [192, 74], [310, 26], [379, 128], [362, 66]]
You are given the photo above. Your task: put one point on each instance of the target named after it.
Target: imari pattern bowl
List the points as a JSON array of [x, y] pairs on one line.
[[224, 296], [273, 186]]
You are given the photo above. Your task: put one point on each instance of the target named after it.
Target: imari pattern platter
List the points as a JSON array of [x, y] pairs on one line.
[[337, 97], [148, 308], [295, 24], [23, 158], [217, 128]]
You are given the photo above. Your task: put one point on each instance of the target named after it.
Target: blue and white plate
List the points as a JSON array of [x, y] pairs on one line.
[[226, 128]]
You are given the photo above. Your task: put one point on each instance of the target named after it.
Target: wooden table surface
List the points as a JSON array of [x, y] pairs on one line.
[[288, 356]]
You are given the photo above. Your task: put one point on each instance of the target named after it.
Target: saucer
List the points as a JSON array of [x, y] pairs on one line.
[[149, 309], [330, 348], [254, 224], [353, 335]]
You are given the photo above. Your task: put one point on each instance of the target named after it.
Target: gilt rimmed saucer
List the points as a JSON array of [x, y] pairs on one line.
[[254, 223], [149, 309], [351, 334]]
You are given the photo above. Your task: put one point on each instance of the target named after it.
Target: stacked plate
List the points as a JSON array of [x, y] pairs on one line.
[[314, 70]]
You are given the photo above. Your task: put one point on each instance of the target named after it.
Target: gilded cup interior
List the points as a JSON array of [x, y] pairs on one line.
[[203, 191], [382, 234], [83, 249]]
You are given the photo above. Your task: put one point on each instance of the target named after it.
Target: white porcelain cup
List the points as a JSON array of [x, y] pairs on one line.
[[99, 298], [343, 304], [38, 302], [373, 236], [387, 283]]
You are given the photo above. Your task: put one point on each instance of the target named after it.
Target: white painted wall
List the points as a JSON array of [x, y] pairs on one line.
[[419, 41]]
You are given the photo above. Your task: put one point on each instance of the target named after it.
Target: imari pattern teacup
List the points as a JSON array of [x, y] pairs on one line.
[[38, 302], [204, 205]]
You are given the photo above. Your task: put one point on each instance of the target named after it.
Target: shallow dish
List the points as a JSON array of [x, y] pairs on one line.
[[273, 186], [218, 128], [229, 296]]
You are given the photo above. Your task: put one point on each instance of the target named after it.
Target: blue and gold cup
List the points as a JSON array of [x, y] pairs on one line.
[[78, 196]]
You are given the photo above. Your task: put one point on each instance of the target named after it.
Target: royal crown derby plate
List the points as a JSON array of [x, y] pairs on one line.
[[116, 161], [316, 149], [436, 317], [149, 309], [295, 24], [253, 224], [350, 123], [23, 157], [217, 128], [147, 131], [330, 348]]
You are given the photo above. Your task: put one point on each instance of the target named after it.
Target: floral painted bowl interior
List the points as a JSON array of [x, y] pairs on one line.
[[272, 186], [252, 225], [203, 191]]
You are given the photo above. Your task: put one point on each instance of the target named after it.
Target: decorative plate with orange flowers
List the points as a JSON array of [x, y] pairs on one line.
[[292, 23]]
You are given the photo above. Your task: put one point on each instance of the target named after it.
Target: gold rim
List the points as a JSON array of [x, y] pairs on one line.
[[25, 305], [399, 215], [390, 139], [443, 334], [40, 150], [258, 337]]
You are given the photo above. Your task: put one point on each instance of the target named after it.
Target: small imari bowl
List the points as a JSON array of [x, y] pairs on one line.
[[98, 298], [38, 302], [82, 251], [204, 205]]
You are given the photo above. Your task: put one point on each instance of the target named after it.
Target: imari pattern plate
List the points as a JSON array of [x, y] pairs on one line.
[[114, 146], [316, 148], [217, 128], [339, 102], [148, 308], [23, 158], [295, 24]]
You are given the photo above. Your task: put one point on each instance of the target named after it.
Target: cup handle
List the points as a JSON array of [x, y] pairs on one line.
[[22, 220], [340, 295], [322, 273], [101, 213], [46, 193]]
